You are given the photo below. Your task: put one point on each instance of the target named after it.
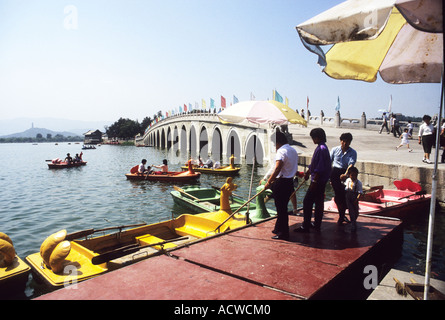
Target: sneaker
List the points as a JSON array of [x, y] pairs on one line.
[[424, 160], [410, 150], [428, 161]]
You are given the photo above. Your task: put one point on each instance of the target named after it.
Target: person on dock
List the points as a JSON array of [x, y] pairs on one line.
[[385, 123], [163, 166], [426, 137], [404, 137], [343, 157], [353, 189], [410, 128], [395, 126], [319, 171], [281, 183]]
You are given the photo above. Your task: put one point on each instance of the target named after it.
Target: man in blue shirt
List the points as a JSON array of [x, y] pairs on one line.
[[342, 157]]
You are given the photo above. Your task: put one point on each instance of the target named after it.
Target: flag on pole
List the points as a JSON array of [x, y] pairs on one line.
[[180, 109], [235, 99], [286, 101], [252, 97], [203, 104], [185, 107], [190, 107], [212, 104], [196, 105], [277, 96], [223, 102], [390, 104], [337, 106]]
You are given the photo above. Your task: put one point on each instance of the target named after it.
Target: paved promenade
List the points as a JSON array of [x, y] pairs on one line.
[[369, 144]]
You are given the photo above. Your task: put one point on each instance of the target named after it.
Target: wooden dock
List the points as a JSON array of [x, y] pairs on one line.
[[247, 264]]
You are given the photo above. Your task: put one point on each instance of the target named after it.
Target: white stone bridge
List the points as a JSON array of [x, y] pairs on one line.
[[202, 134]]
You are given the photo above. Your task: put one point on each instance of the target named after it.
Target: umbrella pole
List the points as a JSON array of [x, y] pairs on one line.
[[429, 248]]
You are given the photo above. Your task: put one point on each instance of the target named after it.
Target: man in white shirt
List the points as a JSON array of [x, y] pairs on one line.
[[281, 183]]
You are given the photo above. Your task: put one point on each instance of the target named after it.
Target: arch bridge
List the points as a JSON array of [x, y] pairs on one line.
[[202, 134]]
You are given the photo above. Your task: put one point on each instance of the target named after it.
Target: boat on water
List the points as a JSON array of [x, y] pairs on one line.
[[400, 203], [82, 257], [199, 199], [171, 176], [229, 170], [13, 270], [64, 165]]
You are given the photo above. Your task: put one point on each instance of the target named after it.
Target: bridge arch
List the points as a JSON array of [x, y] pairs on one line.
[[233, 146], [254, 148]]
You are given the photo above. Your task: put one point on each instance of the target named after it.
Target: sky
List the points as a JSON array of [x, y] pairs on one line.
[[100, 60]]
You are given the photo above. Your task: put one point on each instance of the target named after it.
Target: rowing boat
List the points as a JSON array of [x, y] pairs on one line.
[[13, 271], [229, 170], [63, 164], [199, 199], [389, 203], [171, 176], [91, 257], [225, 170]]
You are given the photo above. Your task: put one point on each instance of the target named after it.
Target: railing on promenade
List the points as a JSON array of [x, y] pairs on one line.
[[357, 123]]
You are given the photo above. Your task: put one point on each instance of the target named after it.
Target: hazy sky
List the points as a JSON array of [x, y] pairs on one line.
[[105, 59]]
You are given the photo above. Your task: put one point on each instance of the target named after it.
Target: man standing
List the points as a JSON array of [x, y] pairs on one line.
[[342, 157], [385, 123], [281, 183]]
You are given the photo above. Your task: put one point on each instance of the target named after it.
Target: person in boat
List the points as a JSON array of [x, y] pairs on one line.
[[343, 157], [68, 158], [142, 169], [217, 165], [353, 190], [319, 170], [77, 158], [281, 182], [208, 163], [163, 166]]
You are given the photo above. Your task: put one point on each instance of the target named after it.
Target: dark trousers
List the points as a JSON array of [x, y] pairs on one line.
[[314, 195], [339, 189], [282, 190]]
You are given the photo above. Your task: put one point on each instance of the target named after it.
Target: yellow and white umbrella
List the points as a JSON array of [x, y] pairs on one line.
[[260, 112]]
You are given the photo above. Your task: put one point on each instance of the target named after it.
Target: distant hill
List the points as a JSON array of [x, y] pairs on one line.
[[33, 132]]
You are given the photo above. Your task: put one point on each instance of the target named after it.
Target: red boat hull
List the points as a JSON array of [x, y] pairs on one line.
[[172, 176], [63, 165], [388, 203]]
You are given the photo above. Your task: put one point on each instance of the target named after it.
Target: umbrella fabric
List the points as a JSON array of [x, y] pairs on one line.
[[397, 49], [260, 112]]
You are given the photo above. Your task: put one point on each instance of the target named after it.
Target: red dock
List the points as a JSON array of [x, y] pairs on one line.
[[247, 264]]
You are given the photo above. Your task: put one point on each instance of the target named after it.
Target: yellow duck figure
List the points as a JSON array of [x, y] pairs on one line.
[[226, 192]]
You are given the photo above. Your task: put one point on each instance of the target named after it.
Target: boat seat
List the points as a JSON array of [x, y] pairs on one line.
[[149, 239], [196, 226]]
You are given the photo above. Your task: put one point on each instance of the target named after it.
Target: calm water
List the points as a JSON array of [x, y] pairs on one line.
[[36, 201]]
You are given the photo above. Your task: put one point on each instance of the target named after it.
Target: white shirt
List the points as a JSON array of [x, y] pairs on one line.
[[289, 156], [356, 187], [425, 129]]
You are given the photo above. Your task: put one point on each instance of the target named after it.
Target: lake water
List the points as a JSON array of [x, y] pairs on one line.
[[37, 201]]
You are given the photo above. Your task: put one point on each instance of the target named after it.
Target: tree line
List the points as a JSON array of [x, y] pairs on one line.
[[127, 129], [40, 139]]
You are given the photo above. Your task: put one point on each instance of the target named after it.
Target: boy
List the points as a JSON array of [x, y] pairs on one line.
[[353, 191]]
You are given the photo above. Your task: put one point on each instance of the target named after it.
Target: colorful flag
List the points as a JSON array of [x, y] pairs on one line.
[[235, 99], [337, 106], [212, 104], [277, 96], [286, 101], [166, 114], [203, 104], [252, 97], [196, 105], [223, 102], [180, 109], [185, 107], [390, 104], [190, 107]]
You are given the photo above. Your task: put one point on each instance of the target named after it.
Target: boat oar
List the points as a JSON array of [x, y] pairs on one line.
[[418, 193], [293, 193], [187, 194], [117, 253], [87, 232], [237, 210]]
